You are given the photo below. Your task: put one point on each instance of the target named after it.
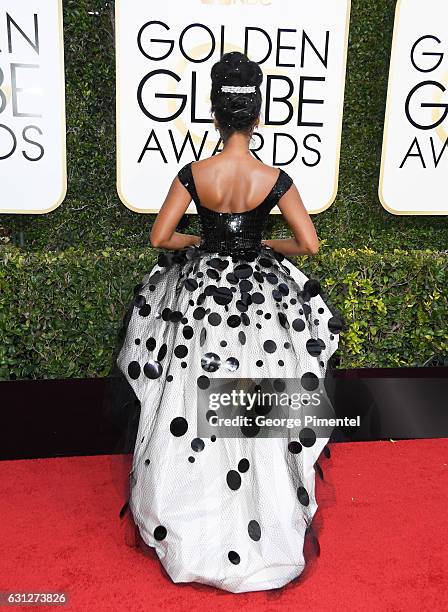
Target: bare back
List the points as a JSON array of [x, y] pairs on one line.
[[233, 184]]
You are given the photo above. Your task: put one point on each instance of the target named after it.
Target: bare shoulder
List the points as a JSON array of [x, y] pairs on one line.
[[203, 163], [271, 171], [216, 162]]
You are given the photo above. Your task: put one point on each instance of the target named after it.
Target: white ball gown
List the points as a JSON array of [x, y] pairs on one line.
[[230, 512]]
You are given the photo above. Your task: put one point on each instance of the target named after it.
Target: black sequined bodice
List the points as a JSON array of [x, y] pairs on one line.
[[229, 232]]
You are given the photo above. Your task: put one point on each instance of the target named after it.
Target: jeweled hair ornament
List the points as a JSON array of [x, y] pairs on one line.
[[238, 88]]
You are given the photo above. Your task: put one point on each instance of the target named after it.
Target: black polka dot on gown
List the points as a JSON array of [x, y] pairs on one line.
[[162, 352], [294, 447], [211, 273], [279, 385], [283, 320], [233, 480], [245, 319], [197, 444], [234, 557], [307, 437], [151, 344], [199, 313], [257, 297], [283, 288], [160, 532], [191, 284], [214, 318], [243, 465], [139, 301], [187, 332], [181, 351], [145, 310], [254, 530], [298, 325], [250, 429], [245, 285], [303, 496], [314, 347], [166, 312], [269, 346], [152, 369], [264, 261], [242, 270], [335, 325], [311, 287], [231, 364], [178, 426], [309, 381], [134, 370], [175, 316], [209, 414], [242, 307], [223, 295], [210, 362], [203, 382], [233, 321]]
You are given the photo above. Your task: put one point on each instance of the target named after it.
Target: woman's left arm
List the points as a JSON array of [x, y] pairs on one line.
[[163, 232]]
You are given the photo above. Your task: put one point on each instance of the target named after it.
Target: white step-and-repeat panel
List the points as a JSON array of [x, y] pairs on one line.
[[414, 164], [164, 54], [32, 106]]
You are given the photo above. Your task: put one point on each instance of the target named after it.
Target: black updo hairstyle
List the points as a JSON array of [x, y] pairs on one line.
[[235, 112]]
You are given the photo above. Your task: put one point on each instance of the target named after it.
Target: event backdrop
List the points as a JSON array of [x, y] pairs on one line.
[[415, 148], [32, 106], [164, 53]]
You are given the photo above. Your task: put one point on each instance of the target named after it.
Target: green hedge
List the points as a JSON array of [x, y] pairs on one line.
[[92, 215], [60, 312]]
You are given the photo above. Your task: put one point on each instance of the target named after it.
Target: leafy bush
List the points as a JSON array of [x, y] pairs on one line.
[[61, 312]]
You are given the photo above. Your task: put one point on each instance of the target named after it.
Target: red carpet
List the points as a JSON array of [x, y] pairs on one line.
[[383, 543]]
